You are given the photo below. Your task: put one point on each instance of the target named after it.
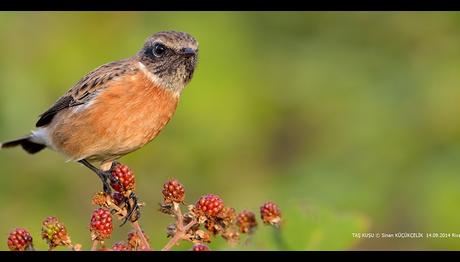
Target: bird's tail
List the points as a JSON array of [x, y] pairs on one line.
[[25, 143]]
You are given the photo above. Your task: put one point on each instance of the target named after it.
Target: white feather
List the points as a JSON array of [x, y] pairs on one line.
[[152, 77], [149, 75], [41, 136]]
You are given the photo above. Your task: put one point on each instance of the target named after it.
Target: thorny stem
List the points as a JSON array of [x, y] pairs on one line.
[[76, 247], [136, 224], [278, 238], [181, 230], [180, 234], [189, 225], [248, 240], [179, 217], [141, 234], [94, 246]]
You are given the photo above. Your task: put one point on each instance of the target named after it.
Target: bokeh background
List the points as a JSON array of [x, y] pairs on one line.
[[348, 120]]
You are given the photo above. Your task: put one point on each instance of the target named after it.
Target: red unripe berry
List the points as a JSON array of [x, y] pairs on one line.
[[20, 240], [125, 178], [173, 191], [210, 205], [118, 198], [101, 224], [200, 247], [120, 246]]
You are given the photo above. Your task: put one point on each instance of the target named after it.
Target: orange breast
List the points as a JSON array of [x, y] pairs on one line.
[[122, 118]]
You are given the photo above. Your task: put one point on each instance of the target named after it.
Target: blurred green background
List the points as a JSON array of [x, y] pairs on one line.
[[348, 120]]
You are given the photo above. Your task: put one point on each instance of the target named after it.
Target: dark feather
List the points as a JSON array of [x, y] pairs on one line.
[[85, 90], [26, 144], [63, 102]]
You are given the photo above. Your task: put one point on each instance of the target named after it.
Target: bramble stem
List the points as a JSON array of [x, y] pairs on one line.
[[189, 225], [278, 238], [95, 244], [76, 247], [135, 224], [180, 234], [179, 217], [248, 240], [180, 231], [141, 234]]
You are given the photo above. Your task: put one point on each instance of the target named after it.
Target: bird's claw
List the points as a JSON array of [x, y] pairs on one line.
[[107, 189], [133, 209]]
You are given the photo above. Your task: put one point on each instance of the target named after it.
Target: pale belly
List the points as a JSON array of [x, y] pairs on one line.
[[107, 140]]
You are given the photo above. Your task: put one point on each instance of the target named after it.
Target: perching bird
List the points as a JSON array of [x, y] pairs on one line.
[[118, 107]]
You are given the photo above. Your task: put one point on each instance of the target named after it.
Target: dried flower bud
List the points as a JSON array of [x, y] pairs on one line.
[[246, 221], [135, 240], [54, 233], [270, 214]]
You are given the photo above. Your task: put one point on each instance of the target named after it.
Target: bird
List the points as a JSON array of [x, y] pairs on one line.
[[117, 108]]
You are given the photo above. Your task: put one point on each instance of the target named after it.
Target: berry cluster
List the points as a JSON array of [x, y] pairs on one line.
[[53, 232], [201, 222], [209, 217]]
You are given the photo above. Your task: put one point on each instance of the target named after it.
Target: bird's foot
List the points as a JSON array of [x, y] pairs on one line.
[[108, 180], [106, 187], [104, 176]]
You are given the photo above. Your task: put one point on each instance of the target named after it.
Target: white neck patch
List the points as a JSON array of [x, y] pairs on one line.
[[157, 81], [149, 75]]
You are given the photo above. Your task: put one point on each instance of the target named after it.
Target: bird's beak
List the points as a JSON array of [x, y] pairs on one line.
[[188, 52]]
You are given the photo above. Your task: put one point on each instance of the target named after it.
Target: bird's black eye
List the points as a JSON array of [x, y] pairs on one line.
[[158, 49]]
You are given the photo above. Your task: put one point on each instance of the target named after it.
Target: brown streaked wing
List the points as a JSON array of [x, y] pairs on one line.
[[84, 90]]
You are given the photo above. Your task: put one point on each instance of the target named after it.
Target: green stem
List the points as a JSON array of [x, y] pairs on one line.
[[280, 243]]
